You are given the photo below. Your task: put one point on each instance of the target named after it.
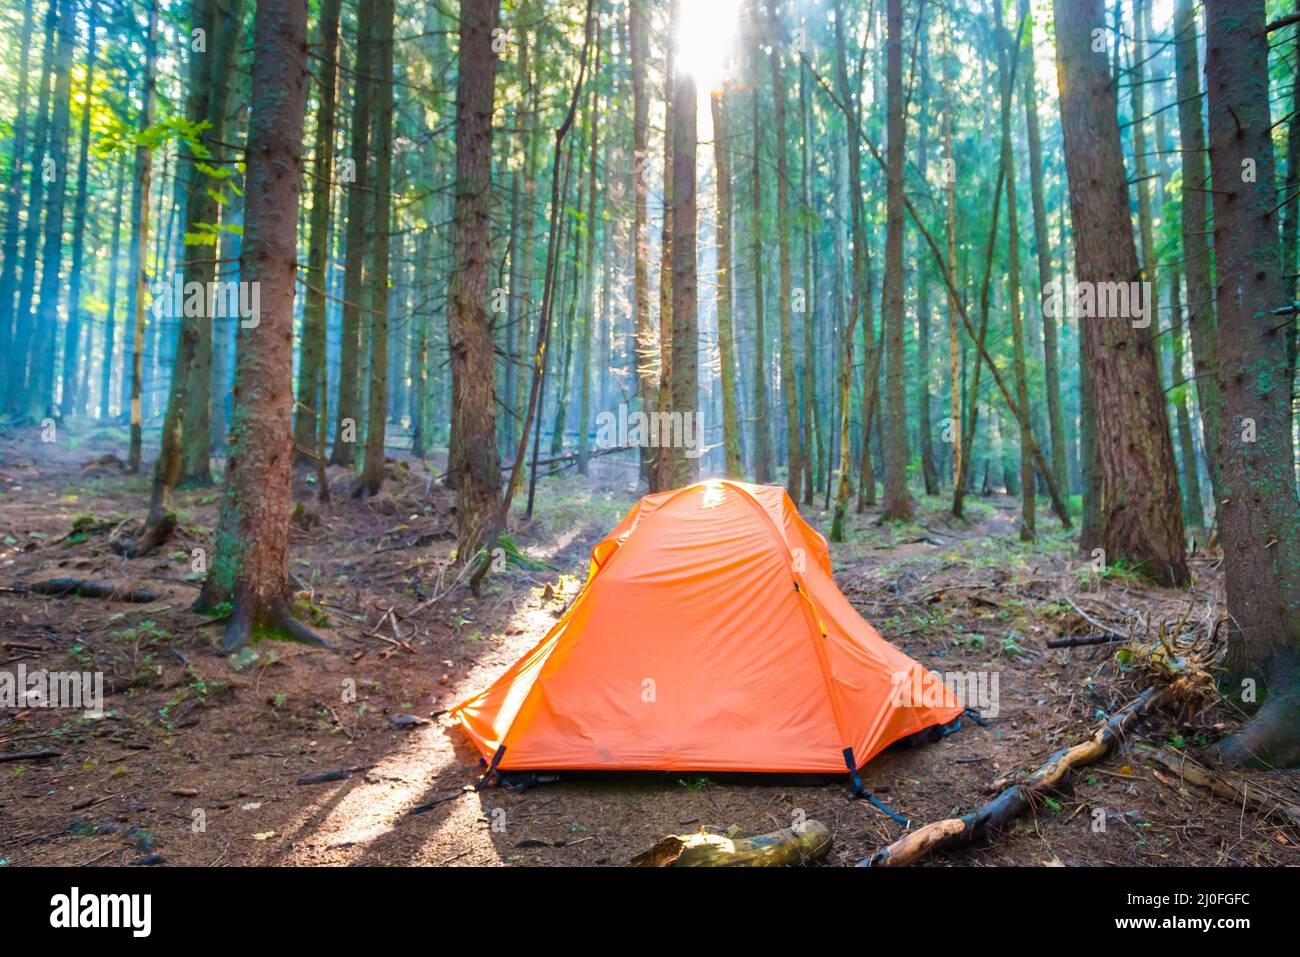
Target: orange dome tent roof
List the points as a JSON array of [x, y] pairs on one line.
[[710, 636]]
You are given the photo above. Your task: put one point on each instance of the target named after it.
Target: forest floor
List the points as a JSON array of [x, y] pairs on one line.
[[196, 763]]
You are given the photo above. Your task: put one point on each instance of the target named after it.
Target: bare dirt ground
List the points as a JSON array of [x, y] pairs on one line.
[[306, 757]]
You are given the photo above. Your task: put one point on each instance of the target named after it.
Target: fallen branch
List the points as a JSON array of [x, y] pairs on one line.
[[340, 775], [31, 756], [788, 846], [1015, 799], [1094, 622], [1075, 641], [1189, 770]]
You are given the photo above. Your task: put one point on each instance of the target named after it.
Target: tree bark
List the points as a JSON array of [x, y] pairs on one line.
[[475, 463], [193, 190], [17, 394], [71, 398], [1139, 486], [13, 204], [589, 313], [311, 351], [726, 331], [197, 437], [41, 377], [684, 468], [1291, 198], [762, 435], [646, 349], [812, 423], [950, 229], [347, 404], [250, 571], [1193, 510], [857, 279], [789, 388], [1257, 514], [110, 321], [140, 241], [1201, 323], [376, 275], [1008, 50], [898, 503], [1043, 248]]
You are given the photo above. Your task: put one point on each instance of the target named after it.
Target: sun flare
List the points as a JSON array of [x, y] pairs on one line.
[[706, 39]]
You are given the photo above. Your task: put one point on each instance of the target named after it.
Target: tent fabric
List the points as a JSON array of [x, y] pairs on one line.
[[710, 636]]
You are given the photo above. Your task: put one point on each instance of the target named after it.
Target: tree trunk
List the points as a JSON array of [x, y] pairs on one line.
[[925, 438], [1291, 197], [13, 204], [311, 354], [1043, 248], [646, 350], [18, 394], [1008, 50], [250, 570], [140, 241], [376, 275], [857, 280], [662, 457], [194, 186], [1091, 526], [789, 388], [954, 339], [898, 504], [1139, 485], [684, 462], [1196, 243], [762, 435], [196, 437], [475, 463], [347, 405], [1257, 514], [726, 331], [1193, 509], [41, 379], [1141, 178], [812, 424], [110, 322], [590, 317], [71, 399]]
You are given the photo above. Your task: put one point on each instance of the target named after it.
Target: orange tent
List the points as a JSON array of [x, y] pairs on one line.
[[710, 636]]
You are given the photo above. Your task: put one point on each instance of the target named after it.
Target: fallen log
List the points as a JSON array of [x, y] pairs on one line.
[[1189, 770], [1015, 799], [790, 846], [82, 588]]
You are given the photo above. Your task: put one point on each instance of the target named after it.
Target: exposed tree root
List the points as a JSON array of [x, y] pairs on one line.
[[271, 619], [366, 487], [1269, 739], [158, 528], [788, 846], [1014, 800]]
